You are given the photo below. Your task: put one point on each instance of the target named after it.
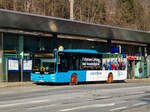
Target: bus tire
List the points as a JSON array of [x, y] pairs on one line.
[[74, 79], [110, 78]]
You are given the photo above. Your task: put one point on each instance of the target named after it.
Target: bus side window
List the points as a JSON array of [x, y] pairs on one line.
[[63, 65], [73, 63]]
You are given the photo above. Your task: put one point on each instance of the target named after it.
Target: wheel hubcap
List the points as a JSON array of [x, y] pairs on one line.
[[110, 79], [73, 79]]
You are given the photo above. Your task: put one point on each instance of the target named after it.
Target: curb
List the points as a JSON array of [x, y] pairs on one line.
[[15, 84], [23, 84], [144, 80]]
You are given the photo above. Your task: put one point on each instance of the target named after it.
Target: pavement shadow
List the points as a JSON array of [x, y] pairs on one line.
[[146, 98], [51, 84], [79, 83]]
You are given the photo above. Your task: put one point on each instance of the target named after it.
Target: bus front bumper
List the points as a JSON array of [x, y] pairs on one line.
[[43, 78]]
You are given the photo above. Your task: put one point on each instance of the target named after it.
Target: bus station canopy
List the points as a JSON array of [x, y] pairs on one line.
[[48, 24]]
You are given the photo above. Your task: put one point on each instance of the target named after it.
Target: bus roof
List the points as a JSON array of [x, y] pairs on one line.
[[87, 51], [80, 51]]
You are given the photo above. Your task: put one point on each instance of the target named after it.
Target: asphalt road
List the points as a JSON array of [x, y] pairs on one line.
[[116, 97]]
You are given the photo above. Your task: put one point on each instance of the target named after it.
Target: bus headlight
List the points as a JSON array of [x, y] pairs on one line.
[[52, 77]]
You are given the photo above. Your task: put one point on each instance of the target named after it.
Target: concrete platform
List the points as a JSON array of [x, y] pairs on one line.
[[142, 80], [15, 84]]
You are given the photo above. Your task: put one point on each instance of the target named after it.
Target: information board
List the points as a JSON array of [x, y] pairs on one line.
[[13, 64], [114, 49], [27, 65]]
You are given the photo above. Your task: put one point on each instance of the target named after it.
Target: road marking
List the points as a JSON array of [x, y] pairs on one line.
[[138, 104], [44, 106], [120, 108], [103, 97], [88, 106], [29, 102], [120, 102]]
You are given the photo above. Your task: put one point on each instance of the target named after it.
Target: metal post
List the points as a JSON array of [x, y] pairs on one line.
[[109, 45], [133, 70], [148, 49], [1, 57], [55, 41], [21, 70], [6, 70], [120, 49], [21, 53]]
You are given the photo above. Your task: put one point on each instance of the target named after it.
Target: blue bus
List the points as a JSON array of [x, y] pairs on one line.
[[79, 65]]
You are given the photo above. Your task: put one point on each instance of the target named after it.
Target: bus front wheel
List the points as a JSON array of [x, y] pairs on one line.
[[74, 79], [110, 78]]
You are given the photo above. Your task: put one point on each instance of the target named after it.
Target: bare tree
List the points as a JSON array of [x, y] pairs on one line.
[[27, 5], [133, 14], [91, 11], [14, 4]]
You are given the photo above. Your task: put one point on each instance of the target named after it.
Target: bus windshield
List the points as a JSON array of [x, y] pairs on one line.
[[44, 64]]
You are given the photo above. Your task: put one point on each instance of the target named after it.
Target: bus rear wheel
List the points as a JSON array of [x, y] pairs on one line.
[[74, 79], [110, 78]]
